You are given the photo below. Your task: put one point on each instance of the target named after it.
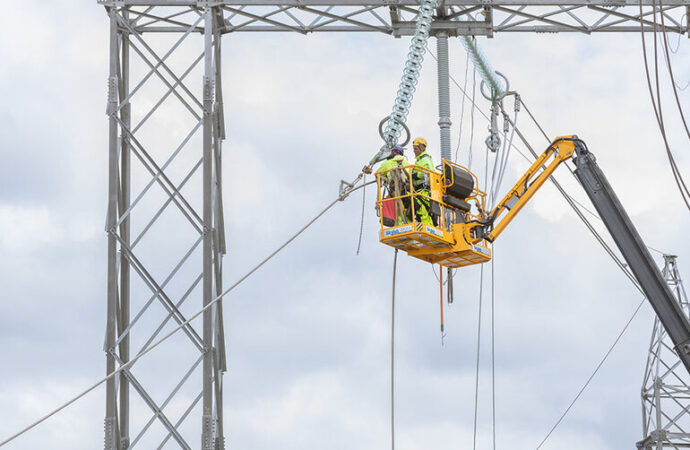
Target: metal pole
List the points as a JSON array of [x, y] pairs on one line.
[[207, 392], [443, 94], [219, 236], [125, 226], [634, 251], [111, 391]]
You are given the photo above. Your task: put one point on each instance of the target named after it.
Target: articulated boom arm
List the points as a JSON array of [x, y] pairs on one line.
[[633, 250], [560, 150], [617, 222]]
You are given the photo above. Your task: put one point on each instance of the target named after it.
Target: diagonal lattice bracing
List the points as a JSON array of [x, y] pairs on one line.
[[666, 384], [462, 17], [165, 215], [165, 115]]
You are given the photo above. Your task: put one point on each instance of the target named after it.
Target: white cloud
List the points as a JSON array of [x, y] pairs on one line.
[[308, 334]]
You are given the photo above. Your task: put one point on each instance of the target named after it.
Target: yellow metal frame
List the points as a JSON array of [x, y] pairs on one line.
[[443, 243], [459, 238], [560, 150]]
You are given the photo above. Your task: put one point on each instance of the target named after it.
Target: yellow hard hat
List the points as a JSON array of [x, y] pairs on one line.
[[419, 141]]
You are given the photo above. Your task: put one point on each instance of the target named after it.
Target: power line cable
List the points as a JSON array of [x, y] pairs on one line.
[[474, 93], [656, 104], [476, 376], [570, 200], [479, 325], [670, 69], [462, 108], [493, 352], [675, 51], [361, 222], [589, 380], [579, 213], [183, 324], [395, 267], [610, 252], [680, 35]]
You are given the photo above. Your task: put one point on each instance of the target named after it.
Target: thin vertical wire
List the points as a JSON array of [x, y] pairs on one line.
[[476, 376], [479, 323], [474, 91], [493, 359], [395, 265], [361, 222], [462, 108]]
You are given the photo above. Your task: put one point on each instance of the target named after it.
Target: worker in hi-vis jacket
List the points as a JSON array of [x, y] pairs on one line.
[[420, 181], [395, 212]]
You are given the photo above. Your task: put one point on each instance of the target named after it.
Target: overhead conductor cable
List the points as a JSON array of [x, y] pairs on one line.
[[217, 299]]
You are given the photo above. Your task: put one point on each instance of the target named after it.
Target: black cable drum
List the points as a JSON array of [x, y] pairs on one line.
[[459, 182]]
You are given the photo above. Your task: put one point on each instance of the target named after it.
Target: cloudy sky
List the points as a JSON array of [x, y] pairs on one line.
[[308, 335]]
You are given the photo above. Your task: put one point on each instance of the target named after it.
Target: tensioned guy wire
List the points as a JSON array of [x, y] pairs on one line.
[[183, 324], [395, 268], [361, 222]]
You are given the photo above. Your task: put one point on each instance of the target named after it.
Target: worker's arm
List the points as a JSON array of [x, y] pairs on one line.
[[505, 211]]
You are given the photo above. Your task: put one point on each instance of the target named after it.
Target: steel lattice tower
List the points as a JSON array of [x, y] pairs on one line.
[[666, 384], [166, 128], [193, 255]]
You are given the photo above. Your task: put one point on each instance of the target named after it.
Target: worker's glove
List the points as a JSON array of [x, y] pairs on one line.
[[366, 169]]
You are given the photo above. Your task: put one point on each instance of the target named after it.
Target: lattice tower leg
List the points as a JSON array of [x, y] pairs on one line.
[[666, 384], [129, 307]]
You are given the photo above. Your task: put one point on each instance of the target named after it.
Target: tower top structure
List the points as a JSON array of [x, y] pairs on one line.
[[396, 18]]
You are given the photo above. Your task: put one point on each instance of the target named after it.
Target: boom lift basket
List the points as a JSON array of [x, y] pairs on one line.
[[448, 197]]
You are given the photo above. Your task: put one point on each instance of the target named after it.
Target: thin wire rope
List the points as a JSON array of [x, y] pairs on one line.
[[433, 269], [670, 68], [479, 325], [596, 370], [462, 108], [593, 214], [675, 52], [493, 353], [571, 200], [611, 254], [476, 376], [395, 267], [504, 160], [474, 92], [181, 325], [476, 107], [656, 104], [361, 222], [582, 217], [680, 36]]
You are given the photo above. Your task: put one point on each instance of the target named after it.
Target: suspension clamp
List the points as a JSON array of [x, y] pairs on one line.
[[346, 188], [493, 142]]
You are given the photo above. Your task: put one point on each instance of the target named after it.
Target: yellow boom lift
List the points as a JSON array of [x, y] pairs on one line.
[[462, 228]]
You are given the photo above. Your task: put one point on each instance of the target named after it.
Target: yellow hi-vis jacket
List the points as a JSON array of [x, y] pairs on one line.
[[390, 163], [418, 177]]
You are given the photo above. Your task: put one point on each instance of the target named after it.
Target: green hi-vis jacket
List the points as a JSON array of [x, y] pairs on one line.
[[397, 160], [423, 160]]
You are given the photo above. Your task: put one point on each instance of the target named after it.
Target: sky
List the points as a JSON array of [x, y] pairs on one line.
[[308, 335]]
